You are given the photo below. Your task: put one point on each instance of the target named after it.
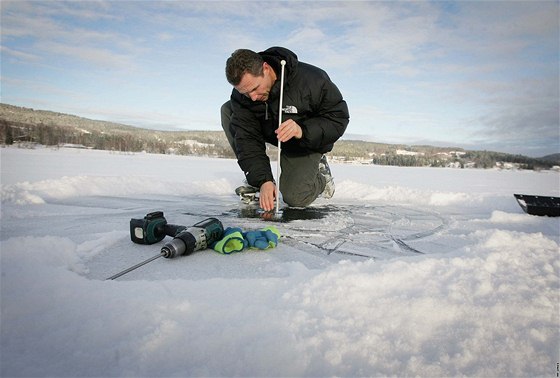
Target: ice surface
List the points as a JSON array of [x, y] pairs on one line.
[[416, 271]]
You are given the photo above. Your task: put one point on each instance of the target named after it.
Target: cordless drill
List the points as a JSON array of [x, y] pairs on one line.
[[154, 228]]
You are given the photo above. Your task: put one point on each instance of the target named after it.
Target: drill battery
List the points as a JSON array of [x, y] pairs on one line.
[[152, 228]]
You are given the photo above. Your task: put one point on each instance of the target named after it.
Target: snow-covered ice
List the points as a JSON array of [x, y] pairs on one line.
[[456, 279]]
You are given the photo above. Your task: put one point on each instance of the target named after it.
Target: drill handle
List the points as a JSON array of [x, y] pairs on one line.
[[173, 229]]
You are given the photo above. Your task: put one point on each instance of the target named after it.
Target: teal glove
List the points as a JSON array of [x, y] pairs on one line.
[[262, 239], [232, 241]]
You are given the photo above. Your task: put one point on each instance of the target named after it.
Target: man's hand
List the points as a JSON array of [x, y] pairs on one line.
[[267, 195], [289, 129]]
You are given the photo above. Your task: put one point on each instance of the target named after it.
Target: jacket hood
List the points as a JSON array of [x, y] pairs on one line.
[[274, 55]]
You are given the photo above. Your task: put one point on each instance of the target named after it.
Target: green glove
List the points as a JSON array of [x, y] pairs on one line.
[[231, 242]]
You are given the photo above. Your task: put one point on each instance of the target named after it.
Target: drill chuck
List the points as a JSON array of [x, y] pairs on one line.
[[184, 243]]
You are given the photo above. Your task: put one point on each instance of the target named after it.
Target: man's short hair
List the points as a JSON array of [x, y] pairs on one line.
[[243, 61]]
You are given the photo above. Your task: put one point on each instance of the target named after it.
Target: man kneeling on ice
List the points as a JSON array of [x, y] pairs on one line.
[[314, 117]]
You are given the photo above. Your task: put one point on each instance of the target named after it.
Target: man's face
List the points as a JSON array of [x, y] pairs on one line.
[[257, 88]]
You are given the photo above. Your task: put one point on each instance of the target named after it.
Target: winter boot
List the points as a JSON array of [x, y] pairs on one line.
[[324, 169], [247, 194]]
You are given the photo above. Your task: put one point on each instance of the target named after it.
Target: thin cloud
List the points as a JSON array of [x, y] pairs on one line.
[[89, 55], [19, 55]]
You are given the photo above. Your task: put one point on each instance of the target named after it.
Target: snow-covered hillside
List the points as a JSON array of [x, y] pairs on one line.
[[413, 271]]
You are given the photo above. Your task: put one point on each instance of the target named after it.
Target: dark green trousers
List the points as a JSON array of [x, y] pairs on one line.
[[300, 180]]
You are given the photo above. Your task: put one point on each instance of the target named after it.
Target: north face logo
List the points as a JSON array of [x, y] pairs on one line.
[[290, 109]]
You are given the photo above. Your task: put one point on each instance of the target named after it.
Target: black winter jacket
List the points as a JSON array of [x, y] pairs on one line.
[[310, 98]]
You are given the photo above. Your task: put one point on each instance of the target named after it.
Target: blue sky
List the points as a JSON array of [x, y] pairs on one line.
[[472, 74]]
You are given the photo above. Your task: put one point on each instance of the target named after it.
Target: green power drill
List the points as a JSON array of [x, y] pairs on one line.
[[154, 228]]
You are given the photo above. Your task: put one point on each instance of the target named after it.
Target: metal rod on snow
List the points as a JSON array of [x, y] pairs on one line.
[[134, 267], [283, 64]]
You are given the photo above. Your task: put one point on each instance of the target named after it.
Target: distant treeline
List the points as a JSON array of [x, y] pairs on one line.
[[471, 159], [183, 143], [27, 126]]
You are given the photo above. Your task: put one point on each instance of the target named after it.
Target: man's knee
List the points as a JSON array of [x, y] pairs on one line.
[[298, 197], [300, 181]]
